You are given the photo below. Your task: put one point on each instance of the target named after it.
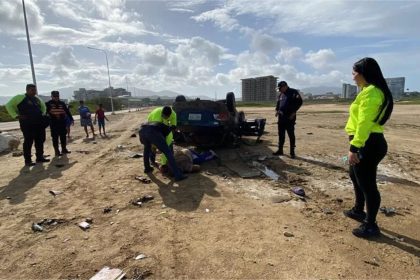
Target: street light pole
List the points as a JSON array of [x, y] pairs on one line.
[[29, 44], [109, 77]]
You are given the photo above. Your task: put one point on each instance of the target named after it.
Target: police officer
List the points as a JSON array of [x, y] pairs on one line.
[[30, 111], [288, 104], [57, 110]]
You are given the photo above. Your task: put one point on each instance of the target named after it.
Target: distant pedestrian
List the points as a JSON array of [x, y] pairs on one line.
[[58, 112], [69, 123], [368, 113], [30, 111], [100, 116], [85, 118], [288, 103]]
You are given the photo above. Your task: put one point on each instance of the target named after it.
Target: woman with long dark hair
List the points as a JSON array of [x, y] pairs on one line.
[[368, 113]]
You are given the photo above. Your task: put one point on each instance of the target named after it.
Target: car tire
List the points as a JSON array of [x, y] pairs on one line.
[[230, 102], [180, 98]]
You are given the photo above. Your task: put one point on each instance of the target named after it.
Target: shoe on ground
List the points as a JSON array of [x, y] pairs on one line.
[[29, 163], [278, 153], [65, 151], [148, 169], [58, 154], [355, 214], [42, 160], [292, 155], [183, 177], [366, 230]]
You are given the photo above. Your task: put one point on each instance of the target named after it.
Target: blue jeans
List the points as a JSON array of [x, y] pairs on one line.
[[149, 136]]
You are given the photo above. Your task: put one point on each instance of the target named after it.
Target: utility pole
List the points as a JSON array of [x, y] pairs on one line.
[[109, 77], [29, 45]]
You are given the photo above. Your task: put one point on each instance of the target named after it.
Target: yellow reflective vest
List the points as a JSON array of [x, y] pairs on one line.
[[363, 111], [156, 116]]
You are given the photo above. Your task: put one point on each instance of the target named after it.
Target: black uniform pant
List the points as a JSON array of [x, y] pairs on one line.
[[289, 126], [363, 175], [59, 131], [33, 133]]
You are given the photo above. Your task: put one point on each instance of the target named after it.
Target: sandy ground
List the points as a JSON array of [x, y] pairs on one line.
[[215, 224]]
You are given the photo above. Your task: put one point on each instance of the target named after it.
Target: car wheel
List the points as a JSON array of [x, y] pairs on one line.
[[180, 98], [230, 102]]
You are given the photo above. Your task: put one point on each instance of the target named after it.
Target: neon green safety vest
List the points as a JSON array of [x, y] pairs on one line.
[[363, 111]]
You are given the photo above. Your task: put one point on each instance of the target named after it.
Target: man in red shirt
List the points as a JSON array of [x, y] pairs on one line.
[[100, 115]]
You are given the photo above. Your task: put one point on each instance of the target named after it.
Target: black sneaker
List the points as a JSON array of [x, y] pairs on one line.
[[366, 230], [65, 151], [29, 163], [292, 155], [148, 169], [355, 214], [42, 160], [278, 153]]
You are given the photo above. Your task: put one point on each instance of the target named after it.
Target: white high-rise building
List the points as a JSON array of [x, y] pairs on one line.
[[396, 86], [349, 91], [259, 89]]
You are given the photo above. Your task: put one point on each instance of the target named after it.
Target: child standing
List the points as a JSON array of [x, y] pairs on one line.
[[100, 115]]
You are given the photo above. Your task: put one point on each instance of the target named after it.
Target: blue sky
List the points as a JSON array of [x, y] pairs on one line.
[[204, 47]]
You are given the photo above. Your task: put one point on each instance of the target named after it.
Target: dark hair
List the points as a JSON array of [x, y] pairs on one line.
[[28, 86], [370, 70], [282, 84], [81, 102], [166, 111], [55, 93], [100, 105]]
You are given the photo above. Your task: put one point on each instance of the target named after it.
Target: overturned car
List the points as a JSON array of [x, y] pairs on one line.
[[209, 123]]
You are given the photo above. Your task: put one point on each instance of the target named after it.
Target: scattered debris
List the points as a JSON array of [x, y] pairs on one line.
[[89, 220], [374, 263], [388, 211], [55, 193], [59, 165], [140, 275], [139, 201], [140, 257], [107, 273], [8, 197], [107, 209], [338, 200], [84, 225], [36, 227], [94, 142], [83, 152], [309, 133], [17, 154], [133, 135], [207, 210], [121, 147], [143, 179], [135, 155], [288, 234], [298, 191], [267, 171]]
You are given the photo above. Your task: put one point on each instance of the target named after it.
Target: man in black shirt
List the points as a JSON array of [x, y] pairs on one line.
[[30, 111], [288, 104], [57, 110]]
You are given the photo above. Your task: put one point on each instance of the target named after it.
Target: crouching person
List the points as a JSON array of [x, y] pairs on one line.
[[154, 133]]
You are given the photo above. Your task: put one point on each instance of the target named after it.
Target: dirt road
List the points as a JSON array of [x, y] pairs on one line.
[[215, 224]]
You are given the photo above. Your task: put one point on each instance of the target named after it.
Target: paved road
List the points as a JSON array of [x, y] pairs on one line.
[[5, 126]]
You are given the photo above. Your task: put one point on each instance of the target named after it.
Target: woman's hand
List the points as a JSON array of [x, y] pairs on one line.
[[353, 158]]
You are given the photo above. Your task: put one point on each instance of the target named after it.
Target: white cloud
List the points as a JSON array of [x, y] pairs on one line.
[[220, 17], [265, 43], [321, 59], [11, 17], [289, 54]]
